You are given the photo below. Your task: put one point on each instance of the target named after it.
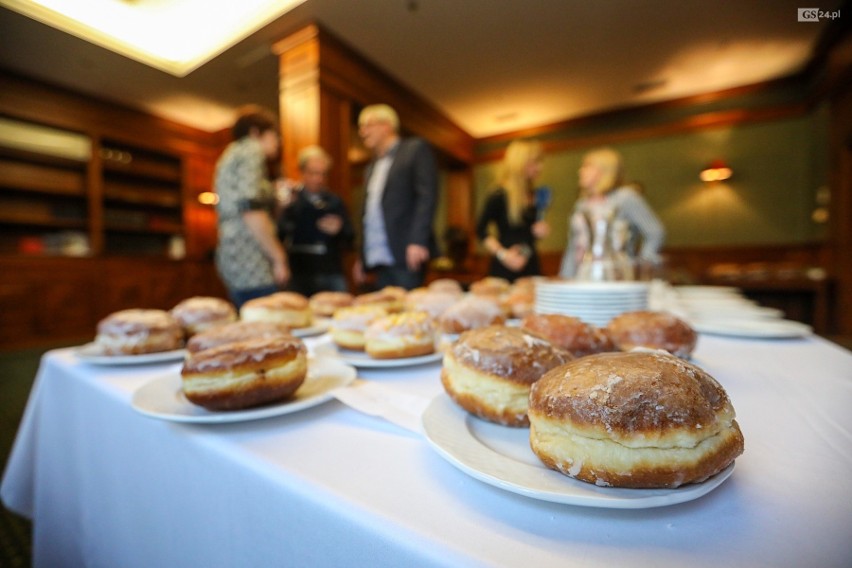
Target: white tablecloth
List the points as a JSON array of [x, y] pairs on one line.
[[329, 486]]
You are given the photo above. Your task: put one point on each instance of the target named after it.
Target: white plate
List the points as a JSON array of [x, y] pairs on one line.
[[362, 360], [163, 398], [501, 456], [318, 328], [141, 359], [754, 328]]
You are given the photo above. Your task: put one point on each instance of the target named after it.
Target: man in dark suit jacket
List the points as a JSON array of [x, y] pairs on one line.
[[401, 196]]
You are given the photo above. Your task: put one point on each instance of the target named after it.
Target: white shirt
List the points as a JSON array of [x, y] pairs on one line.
[[376, 248]]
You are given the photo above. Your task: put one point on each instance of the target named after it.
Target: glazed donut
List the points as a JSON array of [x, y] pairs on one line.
[[569, 333], [652, 330], [470, 312], [490, 286], [447, 285], [137, 331], [235, 331], [391, 298], [640, 419], [349, 324], [245, 373], [519, 301], [488, 371], [395, 336], [324, 304], [290, 308], [429, 301], [199, 313]]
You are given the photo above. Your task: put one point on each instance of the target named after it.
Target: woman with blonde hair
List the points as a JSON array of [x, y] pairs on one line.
[[511, 208], [602, 189]]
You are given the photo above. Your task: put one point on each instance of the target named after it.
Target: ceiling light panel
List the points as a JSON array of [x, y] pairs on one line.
[[175, 36]]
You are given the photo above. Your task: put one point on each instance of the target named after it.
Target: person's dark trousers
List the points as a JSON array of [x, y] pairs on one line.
[[399, 276], [310, 284], [240, 297]]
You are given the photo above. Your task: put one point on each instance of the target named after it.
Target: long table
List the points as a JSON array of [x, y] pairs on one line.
[[332, 486]]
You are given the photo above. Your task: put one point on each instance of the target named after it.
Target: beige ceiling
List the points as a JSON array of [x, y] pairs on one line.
[[492, 66]]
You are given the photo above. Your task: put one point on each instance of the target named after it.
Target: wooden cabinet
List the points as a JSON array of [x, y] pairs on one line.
[[46, 301], [113, 197], [98, 203], [142, 199]]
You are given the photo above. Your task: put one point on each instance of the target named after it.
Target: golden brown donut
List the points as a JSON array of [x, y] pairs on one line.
[[429, 301], [395, 336], [447, 285], [652, 330], [391, 298], [290, 308], [138, 331], [235, 331], [569, 333], [488, 371], [639, 419], [199, 313], [324, 304], [490, 286], [519, 301], [245, 373], [349, 324], [470, 312]]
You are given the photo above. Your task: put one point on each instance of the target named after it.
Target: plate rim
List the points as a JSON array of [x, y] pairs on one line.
[[727, 328], [172, 355], [317, 328], [259, 413], [372, 363], [442, 410]]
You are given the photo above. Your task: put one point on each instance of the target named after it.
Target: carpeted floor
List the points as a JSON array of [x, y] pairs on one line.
[[17, 372]]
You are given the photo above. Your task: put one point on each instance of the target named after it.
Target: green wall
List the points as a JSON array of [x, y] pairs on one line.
[[778, 166]]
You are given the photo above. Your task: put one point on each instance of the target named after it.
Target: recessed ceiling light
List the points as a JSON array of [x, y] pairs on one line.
[[175, 36]]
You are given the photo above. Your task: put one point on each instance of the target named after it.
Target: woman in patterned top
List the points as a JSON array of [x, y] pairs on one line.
[[249, 257], [602, 189]]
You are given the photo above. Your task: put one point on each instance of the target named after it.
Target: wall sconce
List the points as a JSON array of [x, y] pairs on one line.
[[717, 170], [208, 198]]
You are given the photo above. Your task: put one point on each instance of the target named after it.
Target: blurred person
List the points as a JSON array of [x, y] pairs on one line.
[[249, 257], [512, 209], [315, 226], [401, 195], [601, 180]]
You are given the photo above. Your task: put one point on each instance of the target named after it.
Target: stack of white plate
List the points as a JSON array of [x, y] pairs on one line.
[[593, 302]]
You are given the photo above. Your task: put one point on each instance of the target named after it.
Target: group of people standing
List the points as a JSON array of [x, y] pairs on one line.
[[292, 234]]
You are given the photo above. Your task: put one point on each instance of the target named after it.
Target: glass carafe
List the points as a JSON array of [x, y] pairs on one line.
[[599, 260]]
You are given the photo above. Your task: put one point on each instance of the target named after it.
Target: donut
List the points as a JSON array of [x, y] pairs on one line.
[[469, 313], [490, 286], [489, 371], [395, 336], [644, 419], [246, 373], [138, 331], [519, 301], [324, 304], [429, 301], [569, 333], [446, 285], [199, 313], [391, 298], [349, 324], [290, 308], [652, 330], [234, 331]]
